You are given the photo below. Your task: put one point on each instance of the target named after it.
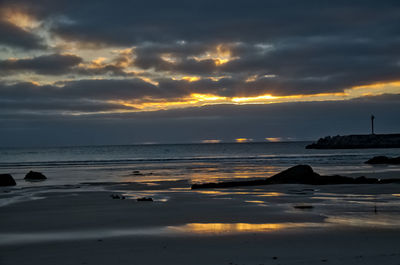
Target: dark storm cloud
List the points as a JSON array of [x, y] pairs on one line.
[[53, 64], [57, 106], [97, 89], [101, 70], [133, 22], [300, 66], [59, 64], [313, 46], [14, 36], [25, 98]]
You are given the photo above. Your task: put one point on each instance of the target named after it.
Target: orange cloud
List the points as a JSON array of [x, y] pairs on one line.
[[221, 55], [19, 18]]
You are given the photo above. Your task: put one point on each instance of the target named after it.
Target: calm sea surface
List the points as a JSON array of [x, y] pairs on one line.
[[192, 162]]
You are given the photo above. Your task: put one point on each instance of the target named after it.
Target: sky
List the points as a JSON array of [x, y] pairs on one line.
[[139, 72]]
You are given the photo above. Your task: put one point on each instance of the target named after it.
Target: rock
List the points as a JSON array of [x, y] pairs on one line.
[[230, 184], [387, 181], [364, 180], [116, 196], [300, 174], [7, 180], [384, 160], [303, 207], [32, 175], [304, 174], [144, 199]]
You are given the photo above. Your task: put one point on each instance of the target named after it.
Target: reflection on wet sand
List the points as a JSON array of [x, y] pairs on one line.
[[234, 228], [270, 194], [229, 192], [379, 221], [255, 201], [371, 220]]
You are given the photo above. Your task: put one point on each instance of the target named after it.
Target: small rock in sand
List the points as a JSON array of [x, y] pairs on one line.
[[144, 199], [384, 160], [7, 180], [33, 175], [116, 196], [303, 207]]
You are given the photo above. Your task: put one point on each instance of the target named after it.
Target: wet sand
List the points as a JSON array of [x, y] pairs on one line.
[[342, 224]]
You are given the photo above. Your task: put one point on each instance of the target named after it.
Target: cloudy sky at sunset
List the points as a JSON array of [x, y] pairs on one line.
[[128, 72]]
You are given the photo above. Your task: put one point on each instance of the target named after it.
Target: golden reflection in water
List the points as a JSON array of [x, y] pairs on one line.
[[396, 194], [271, 194], [230, 192], [229, 228], [250, 201], [211, 192]]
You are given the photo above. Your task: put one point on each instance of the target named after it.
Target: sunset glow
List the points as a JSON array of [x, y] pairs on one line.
[[199, 132], [221, 55], [273, 139], [242, 140], [73, 64], [211, 141], [18, 18]]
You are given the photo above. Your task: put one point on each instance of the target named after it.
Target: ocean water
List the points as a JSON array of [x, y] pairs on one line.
[[190, 162], [165, 172]]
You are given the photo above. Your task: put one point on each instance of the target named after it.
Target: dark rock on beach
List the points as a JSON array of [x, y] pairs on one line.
[[300, 174], [357, 141], [116, 196], [33, 175], [144, 199], [303, 207], [7, 180], [384, 160]]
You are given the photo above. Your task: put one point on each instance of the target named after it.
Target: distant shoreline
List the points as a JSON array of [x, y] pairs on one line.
[[357, 141], [149, 144]]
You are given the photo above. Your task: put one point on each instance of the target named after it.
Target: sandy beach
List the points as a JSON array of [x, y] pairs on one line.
[[341, 224]]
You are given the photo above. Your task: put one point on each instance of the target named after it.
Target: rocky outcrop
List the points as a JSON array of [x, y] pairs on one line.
[[357, 141], [384, 160], [300, 174], [7, 180], [32, 175]]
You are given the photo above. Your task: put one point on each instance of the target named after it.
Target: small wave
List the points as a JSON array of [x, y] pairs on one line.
[[218, 159]]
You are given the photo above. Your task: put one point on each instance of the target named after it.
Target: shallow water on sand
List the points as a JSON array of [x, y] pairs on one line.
[[165, 171]]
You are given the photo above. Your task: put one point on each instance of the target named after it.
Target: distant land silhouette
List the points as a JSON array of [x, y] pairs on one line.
[[357, 141]]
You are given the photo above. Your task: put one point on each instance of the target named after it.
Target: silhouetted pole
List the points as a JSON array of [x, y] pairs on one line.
[[372, 123]]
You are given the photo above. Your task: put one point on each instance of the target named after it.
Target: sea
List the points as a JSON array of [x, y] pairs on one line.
[[165, 173], [193, 163]]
